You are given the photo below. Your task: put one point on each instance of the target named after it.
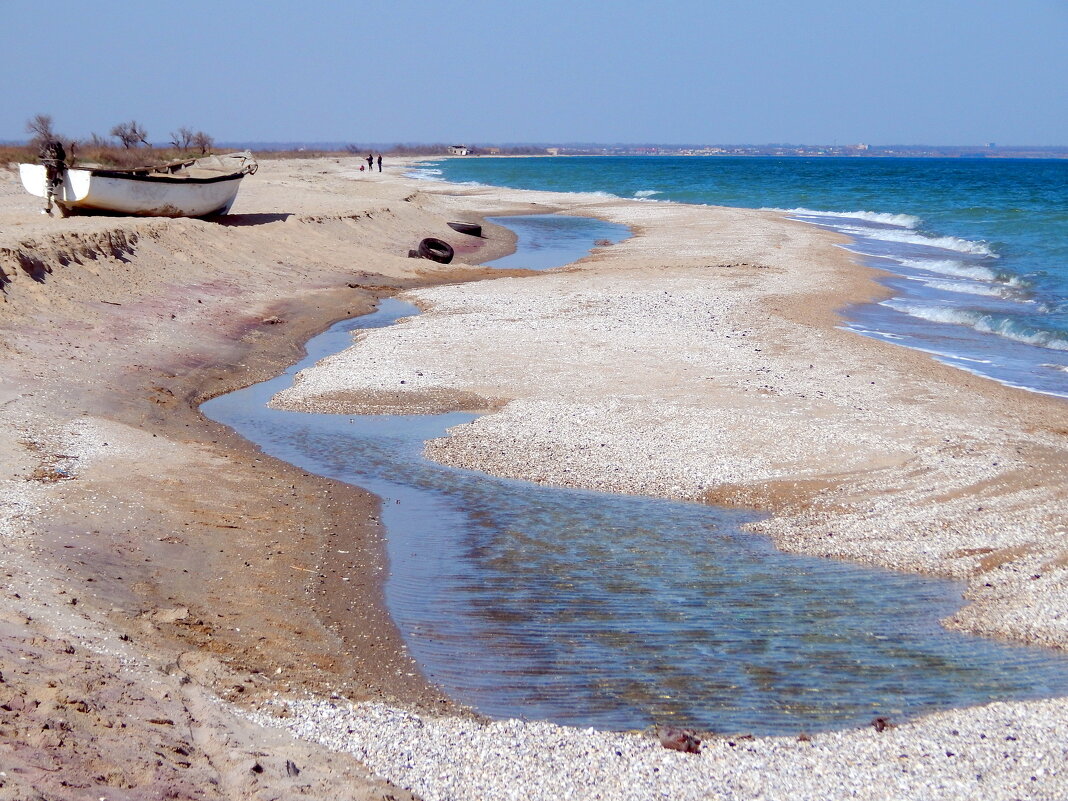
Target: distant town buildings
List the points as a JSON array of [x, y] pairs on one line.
[[860, 150], [986, 150]]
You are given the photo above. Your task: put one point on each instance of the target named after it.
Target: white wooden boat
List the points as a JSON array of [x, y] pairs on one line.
[[196, 188]]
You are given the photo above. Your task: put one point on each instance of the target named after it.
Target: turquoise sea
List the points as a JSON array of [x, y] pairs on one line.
[[976, 249]]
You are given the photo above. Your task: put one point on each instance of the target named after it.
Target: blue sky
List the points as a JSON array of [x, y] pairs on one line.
[[674, 71]]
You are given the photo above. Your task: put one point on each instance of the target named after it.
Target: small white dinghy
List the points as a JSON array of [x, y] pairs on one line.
[[196, 188]]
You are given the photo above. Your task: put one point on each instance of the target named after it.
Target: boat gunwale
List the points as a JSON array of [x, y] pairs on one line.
[[159, 177]]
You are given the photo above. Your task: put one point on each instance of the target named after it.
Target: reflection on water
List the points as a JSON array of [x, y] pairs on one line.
[[551, 240], [595, 609]]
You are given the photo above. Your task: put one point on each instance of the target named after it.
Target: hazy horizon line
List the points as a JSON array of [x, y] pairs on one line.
[[341, 144]]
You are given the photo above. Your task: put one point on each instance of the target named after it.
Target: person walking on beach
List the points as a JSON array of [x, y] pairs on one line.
[[380, 162], [370, 162]]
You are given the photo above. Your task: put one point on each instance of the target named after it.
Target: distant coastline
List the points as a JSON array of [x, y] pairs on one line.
[[723, 151], [299, 149]]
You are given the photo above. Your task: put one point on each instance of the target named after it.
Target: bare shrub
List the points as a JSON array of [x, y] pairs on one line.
[[182, 139], [419, 150], [202, 142], [131, 134], [40, 126]]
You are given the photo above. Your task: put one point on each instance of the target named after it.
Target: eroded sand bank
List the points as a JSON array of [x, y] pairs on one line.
[[154, 563], [161, 576]]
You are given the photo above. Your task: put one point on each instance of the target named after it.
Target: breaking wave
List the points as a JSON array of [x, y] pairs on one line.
[[899, 220], [941, 242], [985, 323], [642, 193], [425, 174], [898, 228], [965, 287], [952, 267]]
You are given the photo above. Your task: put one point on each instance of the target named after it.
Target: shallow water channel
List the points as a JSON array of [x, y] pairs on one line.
[[595, 609]]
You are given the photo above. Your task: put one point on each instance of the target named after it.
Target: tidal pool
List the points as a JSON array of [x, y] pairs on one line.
[[594, 609], [546, 241]]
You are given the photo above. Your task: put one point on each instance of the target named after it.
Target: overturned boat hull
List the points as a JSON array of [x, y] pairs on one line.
[[201, 188]]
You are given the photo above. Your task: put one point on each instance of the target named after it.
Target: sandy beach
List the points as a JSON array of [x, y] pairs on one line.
[[174, 621]]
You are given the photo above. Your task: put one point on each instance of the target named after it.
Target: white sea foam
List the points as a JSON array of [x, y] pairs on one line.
[[959, 358], [642, 193], [940, 242], [899, 220], [871, 332], [985, 323], [963, 287], [936, 314], [425, 174], [952, 267], [910, 237]]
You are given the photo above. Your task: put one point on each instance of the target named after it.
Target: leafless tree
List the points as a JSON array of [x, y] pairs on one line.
[[203, 142], [130, 134], [40, 125], [183, 138]]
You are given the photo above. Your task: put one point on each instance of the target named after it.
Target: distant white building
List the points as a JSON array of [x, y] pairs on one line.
[[458, 150]]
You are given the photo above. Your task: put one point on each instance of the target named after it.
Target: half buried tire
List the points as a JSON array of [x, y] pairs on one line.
[[436, 250]]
